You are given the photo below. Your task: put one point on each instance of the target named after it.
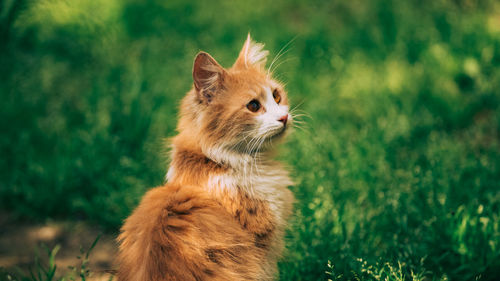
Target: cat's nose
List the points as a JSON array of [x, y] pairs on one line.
[[283, 119]]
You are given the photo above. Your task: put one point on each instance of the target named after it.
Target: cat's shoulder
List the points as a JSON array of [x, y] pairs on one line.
[[173, 207]]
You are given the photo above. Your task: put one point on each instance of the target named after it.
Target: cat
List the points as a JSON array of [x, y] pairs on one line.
[[223, 211]]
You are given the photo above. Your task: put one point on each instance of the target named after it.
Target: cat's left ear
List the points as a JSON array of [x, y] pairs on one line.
[[208, 76], [252, 54]]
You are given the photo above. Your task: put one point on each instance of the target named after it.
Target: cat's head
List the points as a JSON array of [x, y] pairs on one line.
[[242, 108]]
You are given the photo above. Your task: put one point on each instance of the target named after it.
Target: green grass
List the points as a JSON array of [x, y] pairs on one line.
[[398, 163], [46, 269]]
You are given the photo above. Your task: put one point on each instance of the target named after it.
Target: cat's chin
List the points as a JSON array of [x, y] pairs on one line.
[[280, 134]]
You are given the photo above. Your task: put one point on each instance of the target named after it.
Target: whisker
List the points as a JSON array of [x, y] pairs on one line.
[[280, 54], [297, 105], [282, 62], [300, 113], [270, 69]]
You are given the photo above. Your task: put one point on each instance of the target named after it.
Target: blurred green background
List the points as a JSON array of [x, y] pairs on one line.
[[398, 162]]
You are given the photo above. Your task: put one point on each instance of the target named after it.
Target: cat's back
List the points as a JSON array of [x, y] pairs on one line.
[[180, 233]]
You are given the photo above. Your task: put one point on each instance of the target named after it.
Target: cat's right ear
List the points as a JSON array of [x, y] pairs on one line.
[[208, 76]]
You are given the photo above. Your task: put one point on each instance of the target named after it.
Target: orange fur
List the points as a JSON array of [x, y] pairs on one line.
[[222, 214]]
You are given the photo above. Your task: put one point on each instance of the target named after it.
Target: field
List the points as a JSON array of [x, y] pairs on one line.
[[396, 161]]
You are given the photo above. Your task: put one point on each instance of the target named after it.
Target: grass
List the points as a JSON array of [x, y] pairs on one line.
[[398, 162], [45, 267]]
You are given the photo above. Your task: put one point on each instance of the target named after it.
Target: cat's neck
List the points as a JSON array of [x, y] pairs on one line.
[[214, 159], [194, 165], [236, 160], [222, 169]]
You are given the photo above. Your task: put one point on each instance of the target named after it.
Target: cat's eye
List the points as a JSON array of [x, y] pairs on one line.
[[276, 96], [253, 105]]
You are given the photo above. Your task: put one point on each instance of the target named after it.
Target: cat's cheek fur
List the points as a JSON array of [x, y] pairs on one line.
[[220, 128]]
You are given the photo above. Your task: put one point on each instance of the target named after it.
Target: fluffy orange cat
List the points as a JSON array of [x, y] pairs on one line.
[[222, 213]]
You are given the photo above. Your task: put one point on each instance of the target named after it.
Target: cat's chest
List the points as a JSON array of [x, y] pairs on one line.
[[273, 188], [258, 196]]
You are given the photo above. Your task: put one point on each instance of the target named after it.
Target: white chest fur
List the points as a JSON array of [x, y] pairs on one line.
[[268, 182]]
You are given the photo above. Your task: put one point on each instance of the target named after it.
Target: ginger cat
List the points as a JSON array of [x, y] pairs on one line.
[[222, 213]]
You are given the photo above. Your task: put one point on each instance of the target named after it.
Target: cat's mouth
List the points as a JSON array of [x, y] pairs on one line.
[[279, 133], [251, 144]]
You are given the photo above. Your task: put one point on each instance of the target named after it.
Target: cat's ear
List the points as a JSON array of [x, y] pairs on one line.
[[252, 54], [208, 76]]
